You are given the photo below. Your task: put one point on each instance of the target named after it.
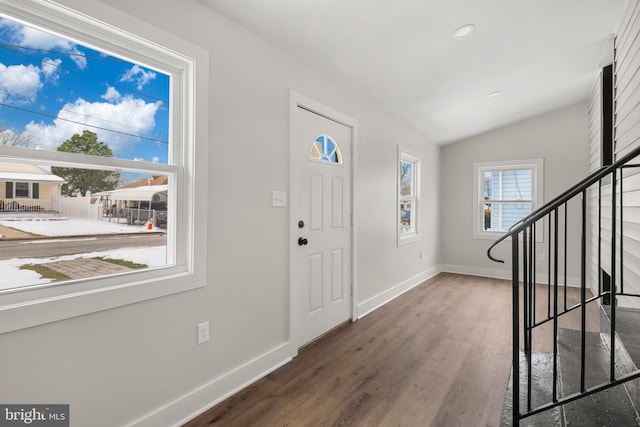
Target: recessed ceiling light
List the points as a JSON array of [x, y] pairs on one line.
[[463, 31], [493, 94]]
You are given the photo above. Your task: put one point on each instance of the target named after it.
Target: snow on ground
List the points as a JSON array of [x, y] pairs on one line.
[[12, 277], [71, 227]]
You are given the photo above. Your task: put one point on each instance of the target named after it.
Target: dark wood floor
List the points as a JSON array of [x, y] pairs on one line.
[[438, 355]]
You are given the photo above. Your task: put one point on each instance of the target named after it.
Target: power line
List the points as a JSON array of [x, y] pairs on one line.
[[58, 52], [69, 111], [83, 124]]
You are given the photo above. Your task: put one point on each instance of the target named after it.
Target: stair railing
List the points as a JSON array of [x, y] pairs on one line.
[[604, 190]]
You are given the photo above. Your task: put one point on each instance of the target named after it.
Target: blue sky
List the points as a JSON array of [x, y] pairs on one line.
[[51, 88]]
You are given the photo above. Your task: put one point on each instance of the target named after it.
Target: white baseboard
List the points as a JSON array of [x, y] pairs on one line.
[[382, 298], [495, 273], [197, 401]]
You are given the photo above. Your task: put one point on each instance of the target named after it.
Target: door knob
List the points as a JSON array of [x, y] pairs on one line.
[[302, 241]]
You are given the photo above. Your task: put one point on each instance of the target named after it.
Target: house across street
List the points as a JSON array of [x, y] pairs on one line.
[[26, 188]]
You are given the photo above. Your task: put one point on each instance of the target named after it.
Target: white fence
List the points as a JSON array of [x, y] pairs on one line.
[[80, 207]]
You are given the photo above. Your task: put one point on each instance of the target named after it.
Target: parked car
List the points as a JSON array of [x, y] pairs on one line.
[[161, 219], [138, 216]]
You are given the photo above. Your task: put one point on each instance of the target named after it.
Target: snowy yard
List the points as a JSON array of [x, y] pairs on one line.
[[70, 227]]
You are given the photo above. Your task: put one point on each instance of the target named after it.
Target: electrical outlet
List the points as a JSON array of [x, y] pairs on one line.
[[203, 332]]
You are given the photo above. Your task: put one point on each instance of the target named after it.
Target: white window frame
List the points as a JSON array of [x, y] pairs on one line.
[[537, 180], [406, 155], [113, 32]]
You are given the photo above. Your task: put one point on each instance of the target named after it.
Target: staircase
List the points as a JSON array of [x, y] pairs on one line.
[[613, 407], [581, 375]]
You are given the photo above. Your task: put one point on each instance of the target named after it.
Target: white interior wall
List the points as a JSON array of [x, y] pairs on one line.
[[140, 363], [559, 137]]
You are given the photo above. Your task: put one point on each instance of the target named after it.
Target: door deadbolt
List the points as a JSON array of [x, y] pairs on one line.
[[301, 224]]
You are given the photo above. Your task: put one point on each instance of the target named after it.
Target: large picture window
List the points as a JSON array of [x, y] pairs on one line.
[[505, 192], [97, 138]]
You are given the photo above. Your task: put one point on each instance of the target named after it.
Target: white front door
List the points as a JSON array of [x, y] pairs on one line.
[[322, 274]]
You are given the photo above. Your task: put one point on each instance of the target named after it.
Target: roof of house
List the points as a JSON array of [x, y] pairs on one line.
[[27, 172], [143, 190], [156, 180]]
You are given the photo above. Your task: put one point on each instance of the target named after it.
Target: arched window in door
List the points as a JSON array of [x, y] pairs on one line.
[[326, 149]]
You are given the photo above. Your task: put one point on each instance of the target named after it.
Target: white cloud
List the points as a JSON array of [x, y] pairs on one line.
[[22, 81], [50, 68], [31, 37], [40, 40], [111, 94], [132, 116], [139, 76], [155, 159], [79, 58]]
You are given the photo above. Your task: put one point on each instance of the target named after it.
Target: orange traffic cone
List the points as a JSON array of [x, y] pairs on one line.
[[150, 224]]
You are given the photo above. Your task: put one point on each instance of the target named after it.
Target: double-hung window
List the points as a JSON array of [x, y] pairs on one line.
[[505, 193], [408, 202], [22, 189], [105, 114]]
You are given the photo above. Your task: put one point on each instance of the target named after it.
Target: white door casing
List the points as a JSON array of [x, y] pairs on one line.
[[321, 185]]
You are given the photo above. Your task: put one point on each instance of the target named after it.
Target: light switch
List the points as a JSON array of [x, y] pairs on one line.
[[203, 332], [278, 198]]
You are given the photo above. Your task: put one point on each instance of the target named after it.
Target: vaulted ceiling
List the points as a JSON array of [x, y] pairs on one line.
[[402, 55]]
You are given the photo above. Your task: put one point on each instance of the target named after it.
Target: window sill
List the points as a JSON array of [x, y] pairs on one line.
[[496, 235], [489, 236], [20, 310], [409, 239]]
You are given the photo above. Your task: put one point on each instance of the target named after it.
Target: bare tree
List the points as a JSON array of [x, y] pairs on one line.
[[12, 138], [406, 178]]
